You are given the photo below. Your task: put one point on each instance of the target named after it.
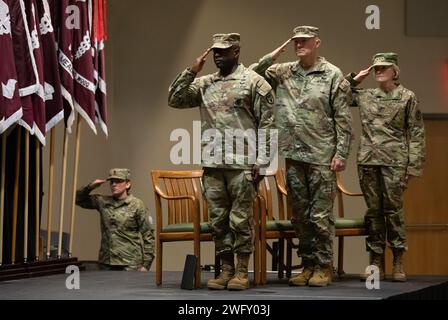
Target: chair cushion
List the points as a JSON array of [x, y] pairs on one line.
[[279, 225], [341, 223], [187, 227]]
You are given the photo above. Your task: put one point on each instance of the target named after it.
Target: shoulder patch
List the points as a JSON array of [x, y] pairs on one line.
[[263, 87], [344, 85]]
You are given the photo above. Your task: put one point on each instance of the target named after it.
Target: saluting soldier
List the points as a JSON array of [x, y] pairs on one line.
[[234, 98], [127, 236], [314, 121], [391, 151]]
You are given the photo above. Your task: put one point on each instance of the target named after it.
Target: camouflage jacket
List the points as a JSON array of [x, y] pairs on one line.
[[242, 100], [127, 238], [312, 110], [392, 128]]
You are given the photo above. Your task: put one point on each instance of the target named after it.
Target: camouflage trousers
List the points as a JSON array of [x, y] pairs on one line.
[[230, 194], [383, 189], [311, 193]]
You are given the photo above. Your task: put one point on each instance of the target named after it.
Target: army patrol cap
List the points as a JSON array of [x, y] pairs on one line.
[[225, 40], [119, 173], [305, 32], [385, 59]]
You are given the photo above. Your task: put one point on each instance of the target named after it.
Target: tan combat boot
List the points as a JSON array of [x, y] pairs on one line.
[[227, 272], [302, 278], [375, 259], [398, 274], [240, 281], [322, 276]]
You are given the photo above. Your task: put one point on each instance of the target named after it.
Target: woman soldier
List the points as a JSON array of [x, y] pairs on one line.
[[391, 151]]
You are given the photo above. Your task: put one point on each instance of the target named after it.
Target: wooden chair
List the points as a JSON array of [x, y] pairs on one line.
[[279, 226], [185, 220], [346, 227], [186, 217], [275, 223]]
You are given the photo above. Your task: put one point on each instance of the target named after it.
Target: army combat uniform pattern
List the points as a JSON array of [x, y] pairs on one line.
[[242, 100], [392, 147], [314, 121], [127, 238]]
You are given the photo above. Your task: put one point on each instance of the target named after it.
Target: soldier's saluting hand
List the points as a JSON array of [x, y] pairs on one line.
[[198, 64]]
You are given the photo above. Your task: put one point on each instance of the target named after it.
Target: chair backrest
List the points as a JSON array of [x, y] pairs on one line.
[[280, 179], [340, 192], [274, 180], [172, 185]]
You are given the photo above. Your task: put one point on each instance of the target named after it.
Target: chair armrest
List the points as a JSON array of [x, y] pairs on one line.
[[282, 190], [196, 216], [167, 197], [343, 189], [348, 193]]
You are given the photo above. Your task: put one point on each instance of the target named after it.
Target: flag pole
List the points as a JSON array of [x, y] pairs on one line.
[[37, 253], [75, 181], [50, 191], [2, 195], [27, 177], [61, 208], [16, 197]]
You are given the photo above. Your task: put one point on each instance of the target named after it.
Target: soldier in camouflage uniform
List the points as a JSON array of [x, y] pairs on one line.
[[392, 150], [314, 122], [127, 238], [232, 98]]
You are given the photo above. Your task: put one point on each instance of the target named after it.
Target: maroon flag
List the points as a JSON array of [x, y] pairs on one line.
[[99, 37], [84, 87], [54, 110], [38, 98], [10, 107], [27, 74], [55, 16], [100, 87], [68, 20]]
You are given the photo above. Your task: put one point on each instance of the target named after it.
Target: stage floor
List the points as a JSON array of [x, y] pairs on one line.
[[111, 285]]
